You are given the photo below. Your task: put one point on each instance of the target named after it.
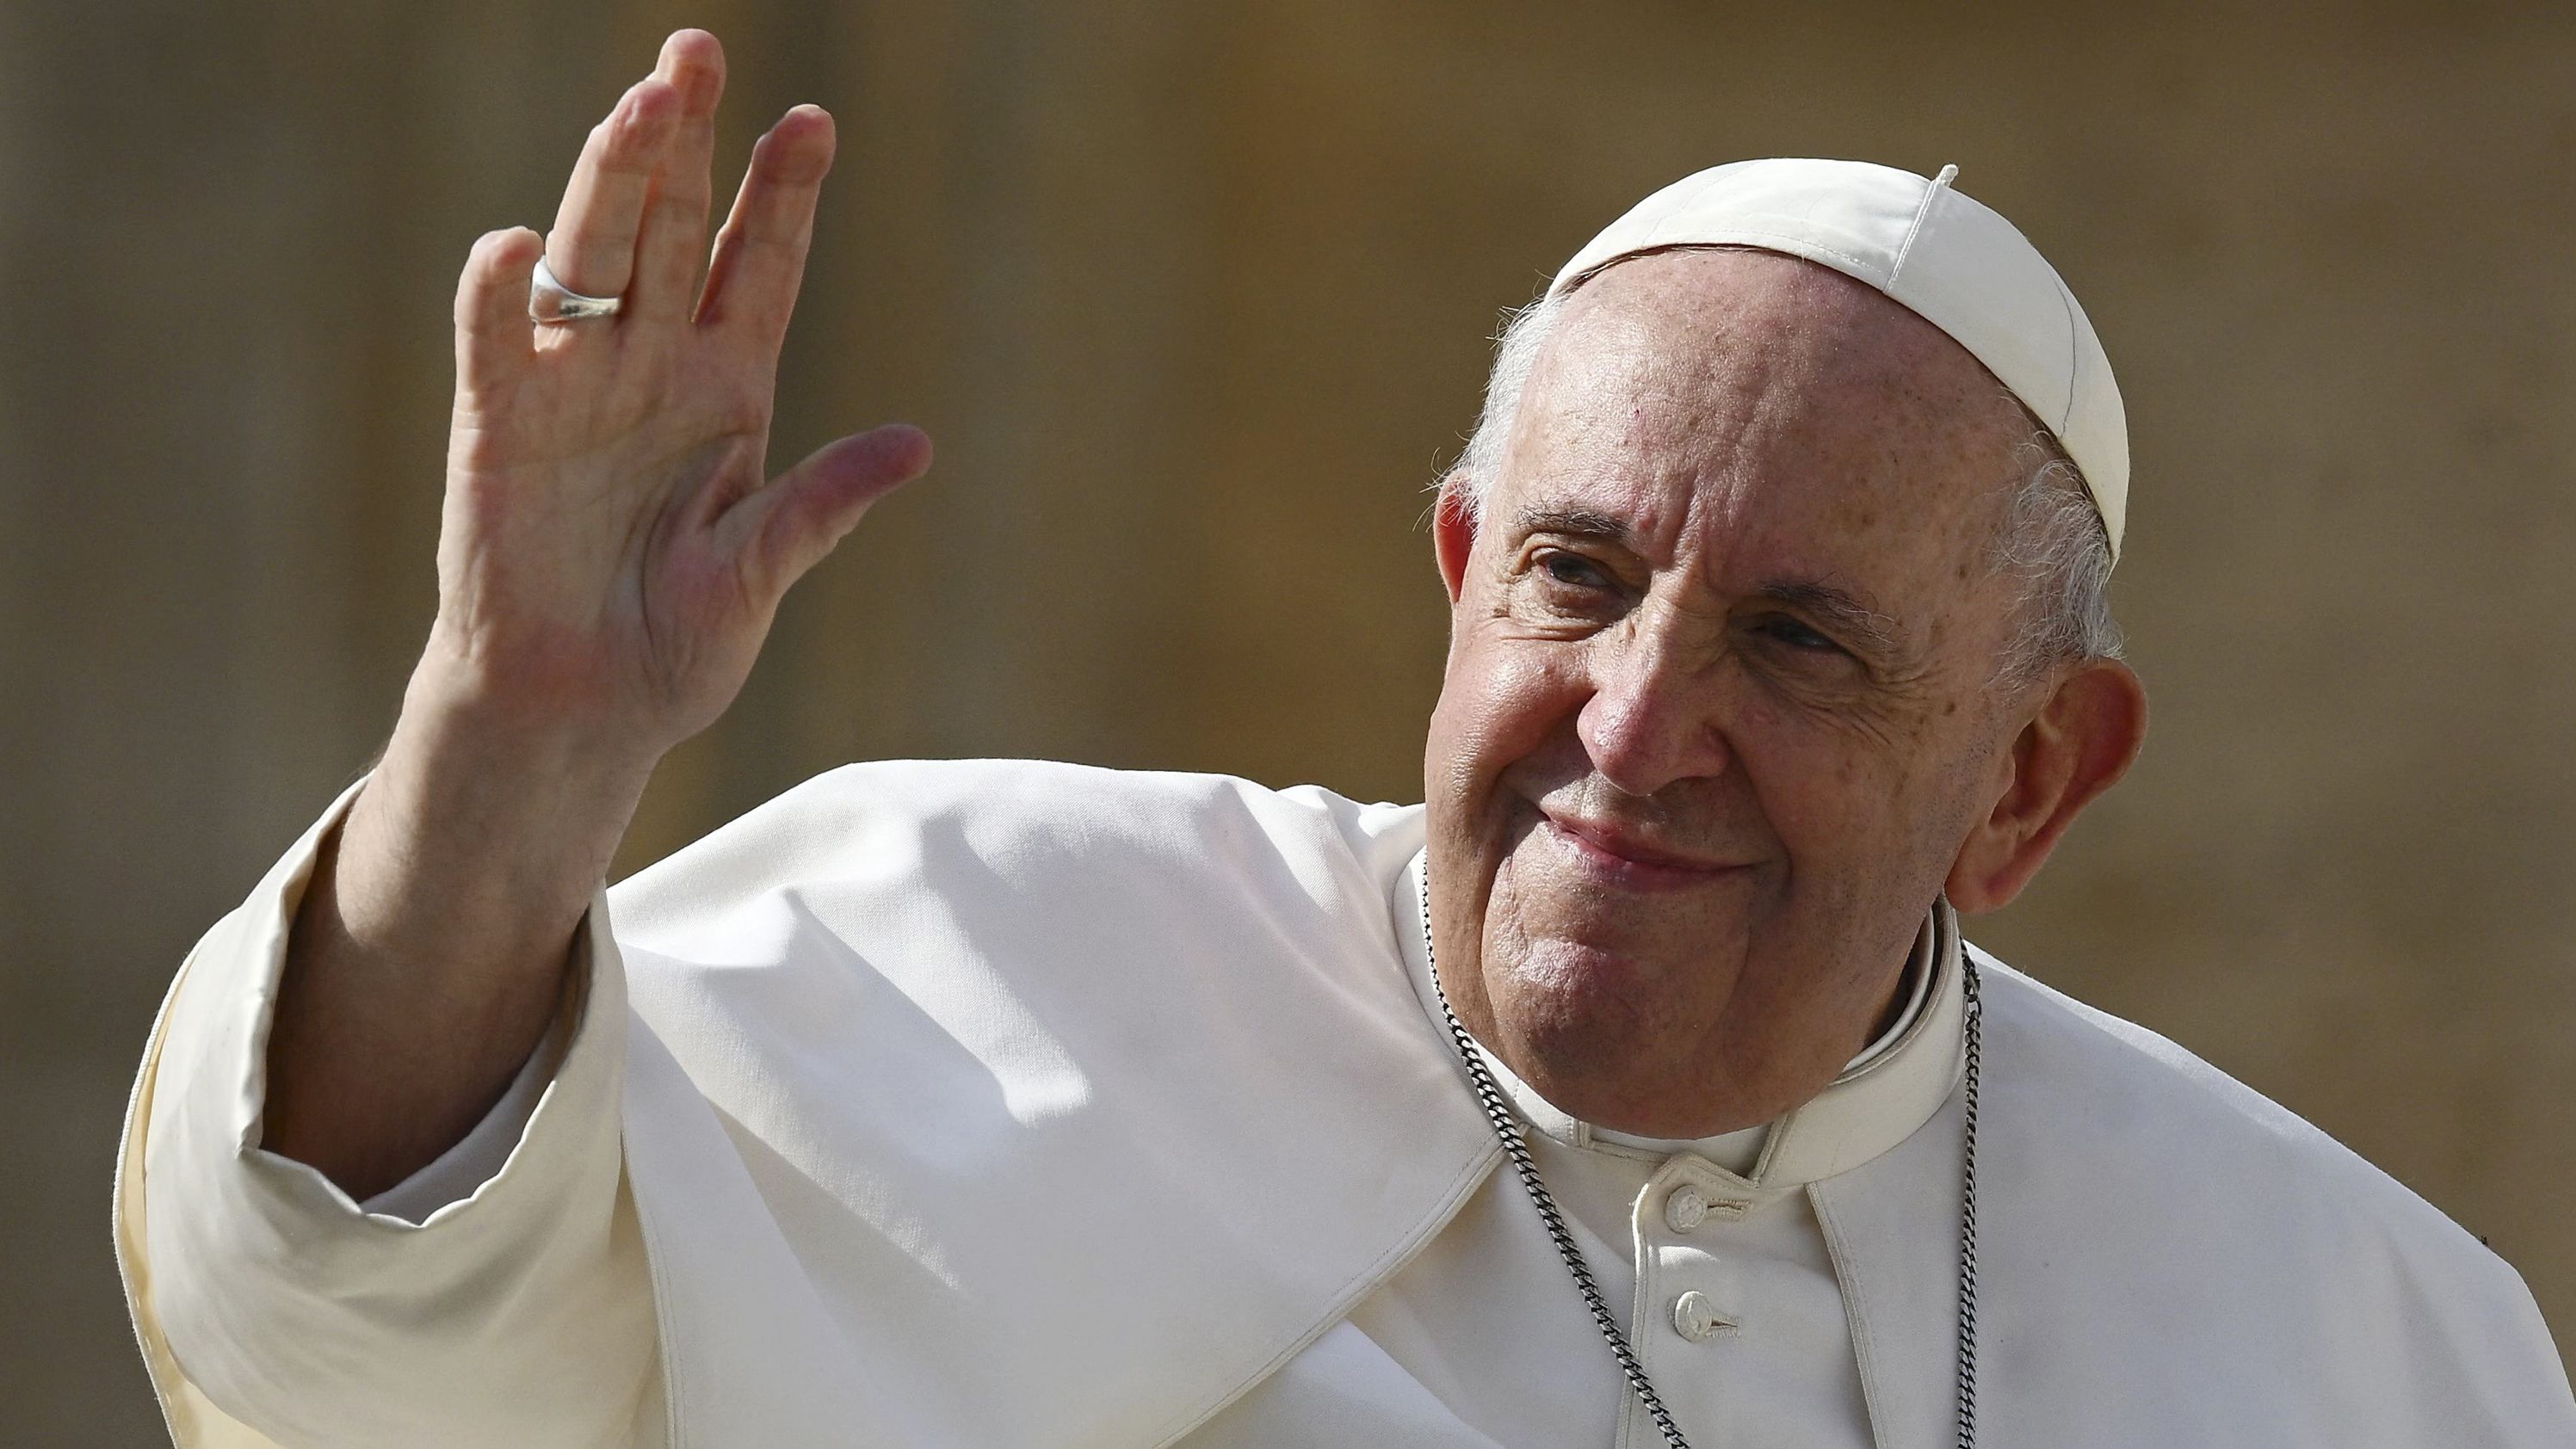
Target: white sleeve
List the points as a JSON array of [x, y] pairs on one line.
[[273, 1310]]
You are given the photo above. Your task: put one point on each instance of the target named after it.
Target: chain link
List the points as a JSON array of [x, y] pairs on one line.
[[1516, 1146], [1974, 1033]]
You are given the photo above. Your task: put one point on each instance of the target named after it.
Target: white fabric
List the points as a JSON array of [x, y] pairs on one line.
[[1462, 1319], [477, 1157], [1955, 262], [1007, 1104], [1457, 1321]]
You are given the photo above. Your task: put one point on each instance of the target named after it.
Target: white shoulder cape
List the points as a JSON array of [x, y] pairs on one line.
[[1023, 1104]]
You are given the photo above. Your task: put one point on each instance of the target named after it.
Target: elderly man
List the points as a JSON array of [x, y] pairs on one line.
[[1013, 1104]]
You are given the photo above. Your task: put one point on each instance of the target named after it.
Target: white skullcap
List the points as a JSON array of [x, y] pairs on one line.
[[1955, 262]]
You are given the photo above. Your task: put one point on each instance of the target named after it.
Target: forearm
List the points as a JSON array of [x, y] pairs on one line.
[[427, 958], [523, 1316]]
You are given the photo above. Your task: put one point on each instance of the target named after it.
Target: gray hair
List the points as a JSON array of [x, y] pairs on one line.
[[2051, 541]]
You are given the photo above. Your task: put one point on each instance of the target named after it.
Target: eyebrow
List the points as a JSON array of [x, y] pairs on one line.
[[1576, 522]]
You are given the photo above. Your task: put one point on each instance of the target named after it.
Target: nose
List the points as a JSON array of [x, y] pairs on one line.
[[1652, 719]]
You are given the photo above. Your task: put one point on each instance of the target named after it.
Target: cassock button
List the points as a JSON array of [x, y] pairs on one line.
[[1696, 1318], [1685, 1208]]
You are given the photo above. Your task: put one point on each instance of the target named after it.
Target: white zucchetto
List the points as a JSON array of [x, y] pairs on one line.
[[1952, 260]]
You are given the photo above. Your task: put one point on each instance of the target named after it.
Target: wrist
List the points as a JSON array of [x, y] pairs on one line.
[[552, 735], [485, 819]]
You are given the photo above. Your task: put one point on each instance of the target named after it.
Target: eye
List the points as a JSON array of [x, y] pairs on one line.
[[1796, 635], [1573, 569]]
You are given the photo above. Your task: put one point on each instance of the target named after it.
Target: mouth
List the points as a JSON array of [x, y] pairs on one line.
[[1627, 860]]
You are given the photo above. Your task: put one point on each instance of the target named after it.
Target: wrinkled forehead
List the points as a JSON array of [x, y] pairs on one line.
[[1768, 379], [1766, 391]]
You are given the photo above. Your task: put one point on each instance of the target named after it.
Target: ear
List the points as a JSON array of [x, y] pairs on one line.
[[2079, 744], [1453, 533]]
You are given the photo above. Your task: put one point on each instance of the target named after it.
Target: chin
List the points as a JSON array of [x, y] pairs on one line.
[[1583, 1013], [1652, 954], [1594, 985], [1598, 1046]]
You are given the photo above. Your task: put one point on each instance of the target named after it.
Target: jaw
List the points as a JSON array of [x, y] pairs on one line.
[[1674, 1013], [1612, 998]]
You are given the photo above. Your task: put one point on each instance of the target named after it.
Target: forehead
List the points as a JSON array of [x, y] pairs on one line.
[[1763, 402]]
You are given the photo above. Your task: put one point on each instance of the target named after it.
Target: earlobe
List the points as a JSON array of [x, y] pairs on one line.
[[2079, 744], [1453, 533]]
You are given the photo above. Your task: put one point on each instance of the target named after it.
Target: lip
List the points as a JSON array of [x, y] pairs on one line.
[[1626, 858]]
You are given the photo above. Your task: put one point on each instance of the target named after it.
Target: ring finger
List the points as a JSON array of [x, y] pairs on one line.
[[592, 247]]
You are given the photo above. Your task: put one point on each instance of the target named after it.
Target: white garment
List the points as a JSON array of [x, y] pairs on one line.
[[1007, 1104], [1708, 1251], [1657, 1220]]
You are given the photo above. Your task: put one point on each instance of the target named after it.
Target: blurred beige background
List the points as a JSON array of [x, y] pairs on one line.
[[1194, 297]]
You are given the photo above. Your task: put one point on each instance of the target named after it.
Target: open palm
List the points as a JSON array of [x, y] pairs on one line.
[[610, 552]]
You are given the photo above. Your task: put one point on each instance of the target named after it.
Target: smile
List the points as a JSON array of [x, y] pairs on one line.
[[1623, 861]]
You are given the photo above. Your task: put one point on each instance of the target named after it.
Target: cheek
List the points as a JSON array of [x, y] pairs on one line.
[[1828, 792], [1849, 807], [1501, 702]]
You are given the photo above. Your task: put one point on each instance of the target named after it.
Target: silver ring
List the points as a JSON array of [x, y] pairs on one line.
[[550, 302]]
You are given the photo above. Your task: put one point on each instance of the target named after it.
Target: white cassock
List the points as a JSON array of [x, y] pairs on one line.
[[1005, 1104]]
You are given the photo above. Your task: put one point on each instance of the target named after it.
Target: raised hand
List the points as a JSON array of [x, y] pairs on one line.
[[611, 556], [609, 561]]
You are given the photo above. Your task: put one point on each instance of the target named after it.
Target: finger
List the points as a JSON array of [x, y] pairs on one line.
[[673, 238], [495, 341], [760, 254], [592, 247], [786, 528]]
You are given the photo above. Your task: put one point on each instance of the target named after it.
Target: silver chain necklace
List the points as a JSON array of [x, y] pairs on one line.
[[1515, 1143]]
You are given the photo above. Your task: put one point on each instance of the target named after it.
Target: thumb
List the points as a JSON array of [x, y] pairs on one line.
[[781, 530]]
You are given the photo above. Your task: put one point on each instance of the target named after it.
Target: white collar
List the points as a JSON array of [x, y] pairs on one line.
[[1893, 1087]]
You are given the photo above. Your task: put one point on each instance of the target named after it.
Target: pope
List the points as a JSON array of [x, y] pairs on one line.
[[1636, 1088]]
